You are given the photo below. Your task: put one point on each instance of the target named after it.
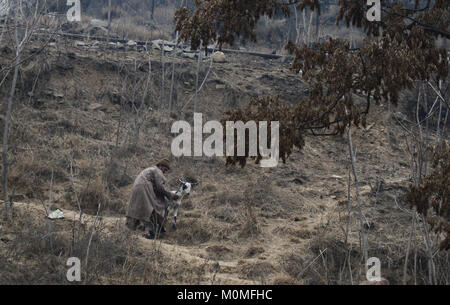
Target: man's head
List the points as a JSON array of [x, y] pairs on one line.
[[163, 165]]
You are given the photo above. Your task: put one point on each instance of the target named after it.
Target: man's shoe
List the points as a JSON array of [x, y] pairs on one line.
[[149, 235]]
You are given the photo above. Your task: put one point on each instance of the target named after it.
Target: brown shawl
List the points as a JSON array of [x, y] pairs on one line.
[[148, 195]]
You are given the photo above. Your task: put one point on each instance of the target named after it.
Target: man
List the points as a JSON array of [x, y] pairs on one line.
[[147, 204]]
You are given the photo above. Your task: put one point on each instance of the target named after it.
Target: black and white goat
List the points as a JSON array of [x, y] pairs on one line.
[[184, 190]]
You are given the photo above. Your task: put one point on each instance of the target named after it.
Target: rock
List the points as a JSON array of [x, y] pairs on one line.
[[131, 43], [400, 116], [220, 86], [219, 57], [99, 23], [54, 93], [80, 43], [168, 45], [336, 177], [189, 55], [168, 49], [369, 225], [7, 238], [58, 94], [298, 181], [95, 106]]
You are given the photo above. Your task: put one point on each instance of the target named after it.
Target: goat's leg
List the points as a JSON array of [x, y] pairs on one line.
[[175, 213]]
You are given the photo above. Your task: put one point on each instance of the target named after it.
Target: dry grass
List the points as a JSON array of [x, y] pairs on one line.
[[256, 271], [237, 213], [253, 251], [33, 253]]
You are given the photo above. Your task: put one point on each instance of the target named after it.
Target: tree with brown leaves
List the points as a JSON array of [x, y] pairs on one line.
[[398, 52]]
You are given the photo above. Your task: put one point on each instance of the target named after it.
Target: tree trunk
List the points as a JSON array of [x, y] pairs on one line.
[[8, 211], [109, 18], [153, 9]]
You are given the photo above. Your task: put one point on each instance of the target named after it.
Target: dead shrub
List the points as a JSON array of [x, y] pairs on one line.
[[260, 192], [93, 194], [301, 233], [115, 174], [292, 264], [255, 271], [227, 197], [287, 280], [249, 224], [32, 176], [192, 232], [33, 253], [225, 213], [209, 188], [253, 251], [218, 252]]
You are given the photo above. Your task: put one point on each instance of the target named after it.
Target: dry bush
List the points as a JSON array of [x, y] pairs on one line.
[[127, 28], [292, 264], [432, 197], [287, 280], [256, 271], [31, 177], [218, 252], [115, 174], [250, 227], [253, 251], [329, 255], [93, 194], [228, 198], [260, 193], [209, 188], [225, 213], [193, 232], [300, 233], [33, 254]]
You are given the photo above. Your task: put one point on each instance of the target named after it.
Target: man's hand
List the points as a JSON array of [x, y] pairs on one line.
[[175, 197]]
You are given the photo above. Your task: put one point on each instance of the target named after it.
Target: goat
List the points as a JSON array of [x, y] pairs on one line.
[[184, 190]]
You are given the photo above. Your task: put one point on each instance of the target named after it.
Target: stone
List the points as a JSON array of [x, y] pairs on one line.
[[99, 23], [189, 55], [95, 106], [80, 43], [219, 57]]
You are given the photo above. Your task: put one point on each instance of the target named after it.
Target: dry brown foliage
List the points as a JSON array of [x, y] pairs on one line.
[[432, 196], [386, 64]]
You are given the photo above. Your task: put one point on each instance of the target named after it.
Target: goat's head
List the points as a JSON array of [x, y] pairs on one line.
[[185, 188]]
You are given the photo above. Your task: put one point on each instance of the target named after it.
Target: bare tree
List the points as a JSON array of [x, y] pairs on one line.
[[24, 22]]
